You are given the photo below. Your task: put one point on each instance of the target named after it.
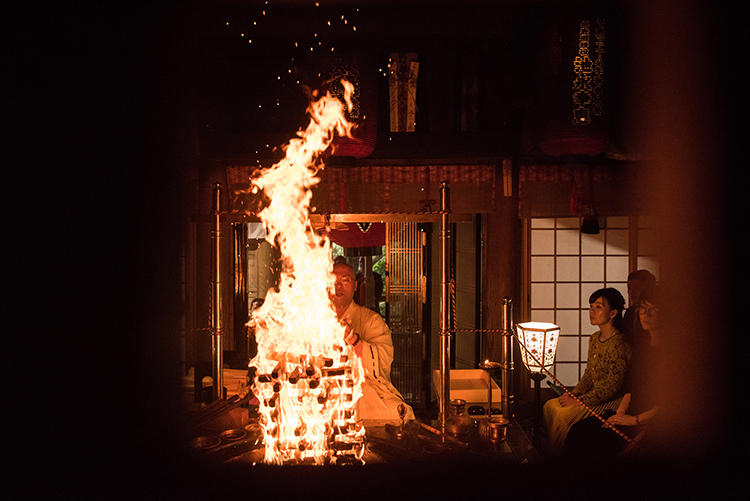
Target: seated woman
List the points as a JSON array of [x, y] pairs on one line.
[[589, 438], [602, 382]]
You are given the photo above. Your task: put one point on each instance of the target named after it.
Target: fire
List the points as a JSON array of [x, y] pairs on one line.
[[308, 381]]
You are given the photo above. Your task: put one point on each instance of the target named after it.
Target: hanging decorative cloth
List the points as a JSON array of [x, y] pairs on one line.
[[360, 239]]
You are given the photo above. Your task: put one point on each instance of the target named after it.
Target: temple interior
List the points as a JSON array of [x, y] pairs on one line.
[[506, 160]]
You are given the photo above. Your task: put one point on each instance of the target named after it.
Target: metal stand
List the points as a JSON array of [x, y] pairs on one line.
[[490, 367], [217, 328], [505, 363], [445, 310], [506, 393], [537, 377]]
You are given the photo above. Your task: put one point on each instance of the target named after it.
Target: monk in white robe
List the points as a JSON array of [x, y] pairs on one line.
[[372, 342]]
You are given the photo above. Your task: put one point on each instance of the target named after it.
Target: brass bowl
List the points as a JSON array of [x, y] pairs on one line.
[[495, 428], [456, 406]]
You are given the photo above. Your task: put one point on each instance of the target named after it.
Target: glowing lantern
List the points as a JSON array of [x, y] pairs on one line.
[[540, 342]]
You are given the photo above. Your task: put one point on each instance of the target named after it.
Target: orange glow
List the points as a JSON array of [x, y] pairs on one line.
[[308, 380]]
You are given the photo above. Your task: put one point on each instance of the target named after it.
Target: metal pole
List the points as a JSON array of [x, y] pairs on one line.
[[507, 357], [217, 328], [445, 309], [489, 394], [537, 377]]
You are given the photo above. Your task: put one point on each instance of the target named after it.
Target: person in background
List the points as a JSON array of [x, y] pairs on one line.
[[602, 382], [588, 438], [378, 279], [252, 344], [639, 281], [371, 338]]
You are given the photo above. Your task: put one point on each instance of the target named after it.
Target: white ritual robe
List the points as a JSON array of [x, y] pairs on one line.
[[380, 399]]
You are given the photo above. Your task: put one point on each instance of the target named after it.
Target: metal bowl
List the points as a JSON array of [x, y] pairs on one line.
[[497, 428], [457, 406], [253, 428], [232, 435], [487, 365], [205, 443]]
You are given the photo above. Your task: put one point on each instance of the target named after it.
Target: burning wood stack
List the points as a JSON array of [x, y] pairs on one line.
[[306, 378], [308, 407]]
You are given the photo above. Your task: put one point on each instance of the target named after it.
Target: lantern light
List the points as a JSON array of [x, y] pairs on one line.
[[538, 345], [540, 339]]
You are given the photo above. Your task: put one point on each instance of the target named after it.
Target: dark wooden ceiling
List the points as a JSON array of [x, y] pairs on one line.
[[252, 71]]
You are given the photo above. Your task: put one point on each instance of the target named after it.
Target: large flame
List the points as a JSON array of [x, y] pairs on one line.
[[307, 379]]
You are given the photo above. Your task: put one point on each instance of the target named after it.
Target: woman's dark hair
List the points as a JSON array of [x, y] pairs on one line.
[[651, 295], [614, 300], [644, 275]]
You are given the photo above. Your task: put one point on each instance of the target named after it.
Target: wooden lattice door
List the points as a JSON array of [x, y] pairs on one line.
[[405, 295]]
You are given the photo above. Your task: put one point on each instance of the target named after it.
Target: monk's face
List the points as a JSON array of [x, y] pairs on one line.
[[344, 286]]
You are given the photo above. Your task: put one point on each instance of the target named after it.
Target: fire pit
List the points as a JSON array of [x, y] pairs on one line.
[[308, 408]]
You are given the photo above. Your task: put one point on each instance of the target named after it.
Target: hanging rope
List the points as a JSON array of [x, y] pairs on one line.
[[453, 301]]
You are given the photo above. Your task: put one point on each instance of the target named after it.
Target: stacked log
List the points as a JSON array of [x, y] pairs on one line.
[[308, 407]]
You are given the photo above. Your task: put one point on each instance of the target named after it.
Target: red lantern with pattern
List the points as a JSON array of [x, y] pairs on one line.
[[358, 71], [572, 116]]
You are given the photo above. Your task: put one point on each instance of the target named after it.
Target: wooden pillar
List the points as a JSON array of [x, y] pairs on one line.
[[502, 262]]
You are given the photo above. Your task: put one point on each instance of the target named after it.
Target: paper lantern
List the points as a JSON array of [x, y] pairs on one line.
[[538, 344]]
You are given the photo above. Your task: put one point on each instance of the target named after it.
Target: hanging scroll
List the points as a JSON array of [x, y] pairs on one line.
[[402, 85]]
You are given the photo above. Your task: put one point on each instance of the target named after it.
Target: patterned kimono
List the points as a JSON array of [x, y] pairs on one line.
[[600, 387]]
